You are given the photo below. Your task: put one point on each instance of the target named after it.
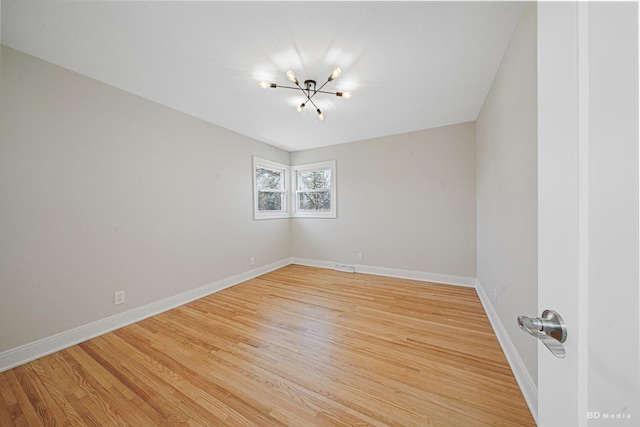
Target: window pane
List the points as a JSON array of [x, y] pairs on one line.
[[268, 201], [315, 201], [314, 180], [267, 179]]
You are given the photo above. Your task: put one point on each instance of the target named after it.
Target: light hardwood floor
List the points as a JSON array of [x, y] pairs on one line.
[[299, 346]]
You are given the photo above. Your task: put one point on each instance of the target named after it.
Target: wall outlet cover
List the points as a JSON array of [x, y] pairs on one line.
[[119, 297]]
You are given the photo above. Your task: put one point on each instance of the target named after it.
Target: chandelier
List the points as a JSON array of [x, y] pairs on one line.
[[309, 89]]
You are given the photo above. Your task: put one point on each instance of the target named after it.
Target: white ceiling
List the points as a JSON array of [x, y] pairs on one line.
[[410, 65]]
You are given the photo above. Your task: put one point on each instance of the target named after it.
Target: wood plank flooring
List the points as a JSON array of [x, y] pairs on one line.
[[299, 346]]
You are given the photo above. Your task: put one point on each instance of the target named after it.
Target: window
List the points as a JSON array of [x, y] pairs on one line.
[[270, 191], [315, 190], [312, 193]]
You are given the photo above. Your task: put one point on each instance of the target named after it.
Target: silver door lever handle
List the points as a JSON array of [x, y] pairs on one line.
[[548, 328]]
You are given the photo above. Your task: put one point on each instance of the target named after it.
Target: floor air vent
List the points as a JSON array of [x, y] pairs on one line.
[[345, 268]]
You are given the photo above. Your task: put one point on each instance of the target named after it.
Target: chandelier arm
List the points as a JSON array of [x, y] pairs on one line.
[[291, 87], [314, 94], [323, 85], [312, 103], [324, 91], [305, 92], [316, 91]]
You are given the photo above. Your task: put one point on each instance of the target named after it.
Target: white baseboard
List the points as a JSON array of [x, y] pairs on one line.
[[313, 262], [526, 383], [34, 350], [394, 272]]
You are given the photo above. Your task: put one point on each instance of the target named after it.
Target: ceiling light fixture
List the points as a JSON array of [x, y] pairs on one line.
[[309, 90]]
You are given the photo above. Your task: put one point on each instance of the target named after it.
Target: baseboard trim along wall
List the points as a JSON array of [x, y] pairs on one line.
[[32, 351], [526, 383], [394, 272]]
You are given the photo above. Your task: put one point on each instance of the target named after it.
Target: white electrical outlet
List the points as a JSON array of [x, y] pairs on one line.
[[495, 295], [252, 260], [119, 297], [359, 256]]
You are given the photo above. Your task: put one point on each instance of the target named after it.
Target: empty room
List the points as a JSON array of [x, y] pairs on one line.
[[320, 213]]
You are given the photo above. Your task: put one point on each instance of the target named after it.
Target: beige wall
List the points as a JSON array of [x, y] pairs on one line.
[[103, 191], [506, 167], [405, 202]]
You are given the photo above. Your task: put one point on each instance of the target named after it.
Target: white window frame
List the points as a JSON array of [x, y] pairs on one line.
[[275, 167], [302, 213]]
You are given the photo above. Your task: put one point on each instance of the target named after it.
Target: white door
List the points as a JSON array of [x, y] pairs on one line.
[[588, 211]]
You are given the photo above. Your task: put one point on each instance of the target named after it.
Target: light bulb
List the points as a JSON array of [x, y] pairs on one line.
[[320, 115], [292, 76], [265, 85], [335, 73], [346, 95], [300, 107]]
